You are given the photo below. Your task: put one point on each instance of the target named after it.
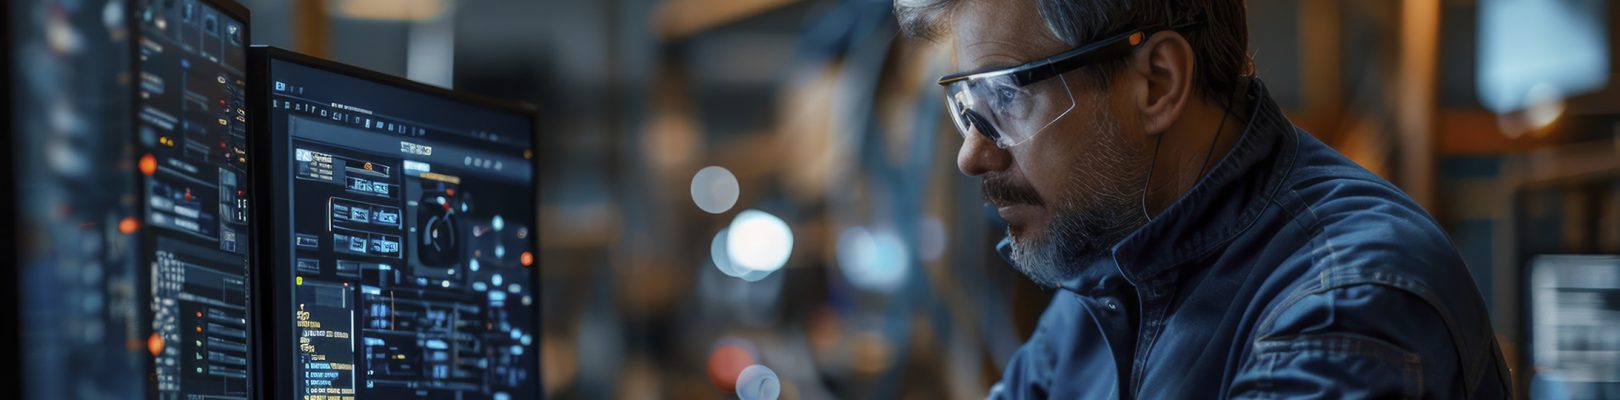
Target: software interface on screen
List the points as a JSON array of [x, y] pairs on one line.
[[191, 141], [410, 251]]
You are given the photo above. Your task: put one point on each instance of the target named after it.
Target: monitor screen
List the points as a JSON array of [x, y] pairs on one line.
[[192, 154], [1574, 316], [404, 239]]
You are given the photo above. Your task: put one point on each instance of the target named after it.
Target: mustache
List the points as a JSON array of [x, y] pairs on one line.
[[1002, 190]]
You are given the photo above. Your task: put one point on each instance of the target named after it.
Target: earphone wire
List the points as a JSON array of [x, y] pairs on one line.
[[1147, 183], [1202, 167]]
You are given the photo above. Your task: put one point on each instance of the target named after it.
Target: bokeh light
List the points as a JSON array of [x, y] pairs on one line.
[[715, 189], [759, 241], [758, 382], [731, 355], [719, 254], [875, 261]]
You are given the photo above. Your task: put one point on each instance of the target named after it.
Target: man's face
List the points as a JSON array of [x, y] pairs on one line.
[[1075, 188]]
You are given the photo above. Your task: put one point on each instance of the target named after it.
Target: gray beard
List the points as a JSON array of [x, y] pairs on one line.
[[1070, 241], [1113, 209]]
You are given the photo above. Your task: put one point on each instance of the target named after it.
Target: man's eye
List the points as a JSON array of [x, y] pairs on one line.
[[1008, 101], [1005, 96]]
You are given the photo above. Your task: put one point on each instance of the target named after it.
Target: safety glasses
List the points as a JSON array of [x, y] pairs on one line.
[[1011, 105]]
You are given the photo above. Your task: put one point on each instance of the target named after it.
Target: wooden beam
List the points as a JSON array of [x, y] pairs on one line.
[[1319, 48], [312, 28], [1416, 85], [679, 19], [1477, 132]]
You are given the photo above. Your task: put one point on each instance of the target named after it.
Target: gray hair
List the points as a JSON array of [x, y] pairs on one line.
[[921, 18], [1220, 43]]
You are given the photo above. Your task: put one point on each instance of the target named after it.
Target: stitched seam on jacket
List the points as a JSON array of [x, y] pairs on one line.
[[1341, 344]]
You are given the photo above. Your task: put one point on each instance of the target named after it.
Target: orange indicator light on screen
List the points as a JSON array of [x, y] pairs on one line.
[[527, 259]]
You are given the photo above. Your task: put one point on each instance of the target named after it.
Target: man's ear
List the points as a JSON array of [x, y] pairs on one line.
[[1165, 67]]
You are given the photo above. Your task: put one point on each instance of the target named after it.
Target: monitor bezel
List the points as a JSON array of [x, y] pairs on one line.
[[241, 14], [278, 333], [9, 252]]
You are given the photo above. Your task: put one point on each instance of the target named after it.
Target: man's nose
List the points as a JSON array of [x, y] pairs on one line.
[[979, 155]]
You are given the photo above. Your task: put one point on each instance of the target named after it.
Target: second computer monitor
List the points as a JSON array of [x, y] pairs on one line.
[[402, 242]]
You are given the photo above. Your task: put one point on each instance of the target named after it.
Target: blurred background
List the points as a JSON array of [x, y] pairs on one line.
[[738, 182]]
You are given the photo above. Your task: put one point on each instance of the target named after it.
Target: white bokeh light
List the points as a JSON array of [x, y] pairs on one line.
[[714, 189], [759, 241], [758, 382], [873, 260], [722, 260]]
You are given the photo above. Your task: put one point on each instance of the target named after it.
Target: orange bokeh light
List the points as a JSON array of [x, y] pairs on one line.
[[148, 165], [128, 225], [154, 344], [526, 258], [725, 363]]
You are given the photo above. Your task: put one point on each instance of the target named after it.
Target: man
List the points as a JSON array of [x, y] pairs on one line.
[[1205, 247]]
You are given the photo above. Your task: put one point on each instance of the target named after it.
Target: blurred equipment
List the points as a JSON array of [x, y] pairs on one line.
[[79, 303], [402, 259], [1574, 316], [130, 176]]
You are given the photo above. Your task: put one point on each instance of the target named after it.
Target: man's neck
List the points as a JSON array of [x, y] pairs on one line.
[[1192, 147]]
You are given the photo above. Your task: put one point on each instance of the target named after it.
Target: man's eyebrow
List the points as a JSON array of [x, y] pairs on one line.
[[993, 62], [997, 58]]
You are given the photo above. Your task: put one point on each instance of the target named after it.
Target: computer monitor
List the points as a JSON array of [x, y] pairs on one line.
[[192, 152], [401, 238], [1574, 348], [101, 92]]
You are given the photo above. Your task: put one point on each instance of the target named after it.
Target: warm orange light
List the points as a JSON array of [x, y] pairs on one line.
[[128, 225], [1136, 38], [725, 363], [391, 10], [154, 344], [527, 259], [148, 165]]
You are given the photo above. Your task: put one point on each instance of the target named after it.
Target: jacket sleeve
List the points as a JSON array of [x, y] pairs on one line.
[[1354, 340], [1026, 372]]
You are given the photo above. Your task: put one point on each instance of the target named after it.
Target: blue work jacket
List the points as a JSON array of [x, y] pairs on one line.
[[1287, 271]]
